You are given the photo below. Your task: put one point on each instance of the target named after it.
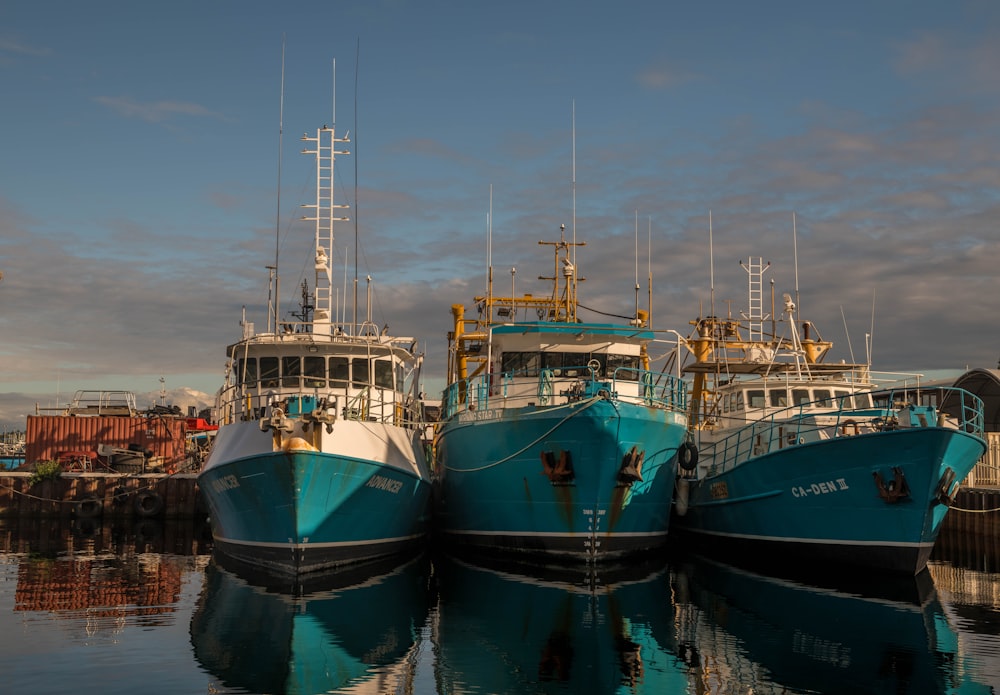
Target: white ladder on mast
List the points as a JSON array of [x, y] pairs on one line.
[[324, 216], [755, 268]]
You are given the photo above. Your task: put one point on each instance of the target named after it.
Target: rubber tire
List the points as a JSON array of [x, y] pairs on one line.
[[148, 504], [687, 456], [88, 508]]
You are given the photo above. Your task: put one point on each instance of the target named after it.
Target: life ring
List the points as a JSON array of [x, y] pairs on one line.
[[88, 508], [687, 456], [148, 504], [844, 425]]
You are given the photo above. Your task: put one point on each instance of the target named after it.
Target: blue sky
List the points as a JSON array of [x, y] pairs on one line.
[[138, 190]]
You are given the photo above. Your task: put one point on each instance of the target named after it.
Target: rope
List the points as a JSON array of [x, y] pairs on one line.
[[974, 511], [117, 495], [604, 313], [593, 400]]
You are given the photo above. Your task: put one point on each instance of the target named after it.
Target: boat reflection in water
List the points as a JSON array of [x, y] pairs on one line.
[[749, 632], [356, 630], [506, 628]]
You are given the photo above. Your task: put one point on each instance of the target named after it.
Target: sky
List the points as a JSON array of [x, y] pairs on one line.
[[854, 145]]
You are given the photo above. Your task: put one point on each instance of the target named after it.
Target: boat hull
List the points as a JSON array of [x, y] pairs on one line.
[[501, 486], [307, 510], [822, 502]]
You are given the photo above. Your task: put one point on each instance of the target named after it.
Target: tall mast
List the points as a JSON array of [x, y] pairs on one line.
[[636, 232], [273, 283], [324, 216]]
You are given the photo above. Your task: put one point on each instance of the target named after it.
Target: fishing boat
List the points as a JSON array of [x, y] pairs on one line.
[[318, 461], [555, 439], [813, 461]]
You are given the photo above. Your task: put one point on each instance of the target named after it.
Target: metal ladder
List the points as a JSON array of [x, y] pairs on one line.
[[324, 216]]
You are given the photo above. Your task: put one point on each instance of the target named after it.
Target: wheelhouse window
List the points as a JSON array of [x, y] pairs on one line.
[[755, 398], [824, 398], [863, 400], [359, 372], [624, 367], [291, 370], [340, 371], [314, 371], [800, 396], [383, 374], [779, 398], [844, 399], [521, 363], [269, 372], [246, 372], [570, 364]]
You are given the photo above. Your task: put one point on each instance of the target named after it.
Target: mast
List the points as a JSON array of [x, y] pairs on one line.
[[325, 214], [273, 282], [636, 267]]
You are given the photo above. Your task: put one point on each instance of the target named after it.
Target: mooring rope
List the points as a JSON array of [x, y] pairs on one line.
[[587, 404]]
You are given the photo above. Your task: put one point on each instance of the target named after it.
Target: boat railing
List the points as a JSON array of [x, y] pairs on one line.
[[365, 403], [815, 421], [98, 403], [565, 385]]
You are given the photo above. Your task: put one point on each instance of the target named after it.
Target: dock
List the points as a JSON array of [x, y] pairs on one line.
[[88, 495]]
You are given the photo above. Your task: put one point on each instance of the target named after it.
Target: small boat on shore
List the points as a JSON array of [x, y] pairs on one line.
[[809, 461], [555, 438], [318, 461]]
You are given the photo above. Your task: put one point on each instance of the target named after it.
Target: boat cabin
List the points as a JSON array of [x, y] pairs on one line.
[[353, 378]]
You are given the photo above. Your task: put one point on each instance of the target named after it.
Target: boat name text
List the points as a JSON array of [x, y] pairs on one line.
[[382, 483], [820, 488], [225, 483]]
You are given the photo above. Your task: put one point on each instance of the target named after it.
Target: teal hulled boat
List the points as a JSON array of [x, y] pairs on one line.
[[319, 458], [555, 437], [811, 461]]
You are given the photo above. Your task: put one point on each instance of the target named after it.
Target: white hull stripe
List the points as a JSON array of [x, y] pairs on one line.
[[556, 534], [812, 541], [338, 544]]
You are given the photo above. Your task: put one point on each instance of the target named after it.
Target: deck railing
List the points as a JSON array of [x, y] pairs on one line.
[[366, 403], [562, 386], [816, 421]]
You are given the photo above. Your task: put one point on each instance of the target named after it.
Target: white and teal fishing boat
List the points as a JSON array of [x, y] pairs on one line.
[[810, 461], [319, 460], [555, 436]]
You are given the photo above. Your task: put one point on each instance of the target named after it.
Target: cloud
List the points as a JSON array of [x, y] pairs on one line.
[[662, 76], [11, 45], [156, 111]]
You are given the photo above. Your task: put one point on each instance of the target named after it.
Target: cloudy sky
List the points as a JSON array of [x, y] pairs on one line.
[[139, 200]]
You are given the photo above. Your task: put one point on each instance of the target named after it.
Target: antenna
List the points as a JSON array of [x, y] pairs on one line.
[[357, 203], [711, 266], [637, 266], [871, 335], [489, 260], [847, 333], [649, 268], [795, 253], [273, 302], [574, 199]]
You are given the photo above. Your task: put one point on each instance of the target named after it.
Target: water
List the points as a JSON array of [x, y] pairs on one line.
[[147, 609]]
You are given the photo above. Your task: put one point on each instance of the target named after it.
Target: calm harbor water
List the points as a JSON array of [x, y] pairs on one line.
[[99, 609]]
